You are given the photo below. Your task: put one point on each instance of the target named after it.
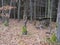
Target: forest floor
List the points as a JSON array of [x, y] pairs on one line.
[[12, 34]]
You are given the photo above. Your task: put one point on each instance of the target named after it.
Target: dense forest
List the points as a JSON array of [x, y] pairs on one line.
[[33, 9], [29, 22]]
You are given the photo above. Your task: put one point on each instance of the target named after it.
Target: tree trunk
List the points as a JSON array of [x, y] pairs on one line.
[[58, 21], [46, 9], [14, 10], [2, 13], [49, 13], [10, 5], [19, 4], [34, 12], [31, 10]]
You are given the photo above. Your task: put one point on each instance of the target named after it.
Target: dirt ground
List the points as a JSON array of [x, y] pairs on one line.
[[12, 34]]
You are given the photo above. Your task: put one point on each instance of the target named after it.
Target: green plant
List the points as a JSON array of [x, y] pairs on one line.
[[53, 38], [24, 30], [6, 23]]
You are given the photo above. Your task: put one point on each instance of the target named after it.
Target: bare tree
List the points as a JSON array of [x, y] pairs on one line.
[[58, 22], [25, 13], [49, 12], [34, 12], [19, 4], [31, 10], [2, 12]]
